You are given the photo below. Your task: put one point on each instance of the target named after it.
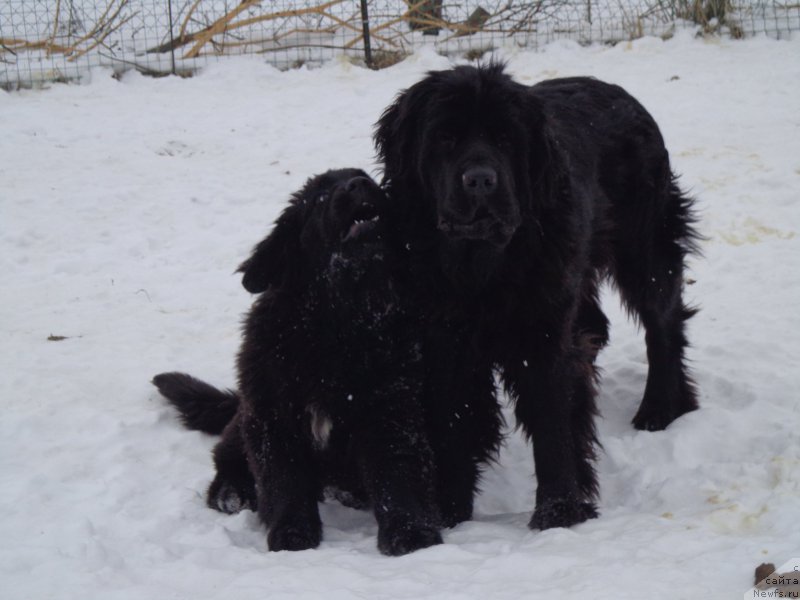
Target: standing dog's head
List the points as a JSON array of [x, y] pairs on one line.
[[468, 142], [335, 217]]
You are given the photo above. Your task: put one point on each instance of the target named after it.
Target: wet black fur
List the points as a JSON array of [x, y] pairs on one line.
[[330, 341], [581, 189], [200, 406]]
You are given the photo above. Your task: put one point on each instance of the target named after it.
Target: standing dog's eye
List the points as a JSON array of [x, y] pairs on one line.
[[322, 198], [503, 140], [447, 141]]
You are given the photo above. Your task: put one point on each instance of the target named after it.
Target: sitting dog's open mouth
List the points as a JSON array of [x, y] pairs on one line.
[[364, 224]]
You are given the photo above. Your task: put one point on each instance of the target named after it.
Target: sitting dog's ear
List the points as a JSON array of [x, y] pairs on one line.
[[275, 255]]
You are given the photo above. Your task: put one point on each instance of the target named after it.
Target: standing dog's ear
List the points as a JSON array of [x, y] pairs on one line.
[[276, 255], [396, 132], [546, 172]]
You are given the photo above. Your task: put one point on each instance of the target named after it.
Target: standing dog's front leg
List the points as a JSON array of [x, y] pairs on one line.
[[287, 484], [398, 471], [464, 418], [553, 386]]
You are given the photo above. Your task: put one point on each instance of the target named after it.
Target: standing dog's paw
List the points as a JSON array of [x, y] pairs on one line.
[[455, 510], [652, 420], [658, 409], [292, 533], [561, 512], [402, 537], [651, 417]]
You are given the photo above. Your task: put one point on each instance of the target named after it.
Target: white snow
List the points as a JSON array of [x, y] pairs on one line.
[[125, 208]]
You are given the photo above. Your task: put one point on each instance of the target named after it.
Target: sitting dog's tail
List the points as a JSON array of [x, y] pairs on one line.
[[201, 406]]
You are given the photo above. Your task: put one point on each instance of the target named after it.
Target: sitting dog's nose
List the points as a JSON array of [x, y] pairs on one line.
[[356, 183], [479, 181]]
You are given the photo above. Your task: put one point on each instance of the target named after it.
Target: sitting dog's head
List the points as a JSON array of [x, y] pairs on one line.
[[334, 221]]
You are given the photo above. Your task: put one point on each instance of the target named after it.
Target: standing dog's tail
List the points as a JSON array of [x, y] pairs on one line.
[[202, 406]]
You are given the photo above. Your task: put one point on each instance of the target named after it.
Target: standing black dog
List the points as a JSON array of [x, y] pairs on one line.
[[515, 203], [330, 379]]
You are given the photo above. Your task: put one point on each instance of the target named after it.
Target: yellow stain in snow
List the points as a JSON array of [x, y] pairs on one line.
[[754, 232]]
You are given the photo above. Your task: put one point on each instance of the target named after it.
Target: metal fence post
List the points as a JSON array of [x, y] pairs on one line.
[[171, 38], [365, 31]]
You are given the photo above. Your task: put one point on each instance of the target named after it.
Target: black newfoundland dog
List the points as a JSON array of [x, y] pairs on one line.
[[513, 203], [330, 382]]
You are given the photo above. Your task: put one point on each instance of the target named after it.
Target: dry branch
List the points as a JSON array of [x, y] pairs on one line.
[[227, 23], [105, 23], [186, 20], [14, 46], [218, 26], [99, 40], [224, 24], [108, 22], [55, 24]]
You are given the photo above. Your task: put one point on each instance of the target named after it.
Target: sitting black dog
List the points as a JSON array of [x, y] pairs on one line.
[[330, 379]]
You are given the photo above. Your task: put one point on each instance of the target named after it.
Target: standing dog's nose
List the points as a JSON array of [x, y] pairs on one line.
[[479, 181]]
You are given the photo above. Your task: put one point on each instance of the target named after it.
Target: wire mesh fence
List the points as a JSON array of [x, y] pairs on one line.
[[51, 40]]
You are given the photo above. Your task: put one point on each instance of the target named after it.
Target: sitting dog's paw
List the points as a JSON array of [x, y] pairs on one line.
[[402, 537], [226, 497], [561, 512], [294, 534]]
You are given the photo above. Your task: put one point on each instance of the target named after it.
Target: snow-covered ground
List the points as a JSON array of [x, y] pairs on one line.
[[125, 208]]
